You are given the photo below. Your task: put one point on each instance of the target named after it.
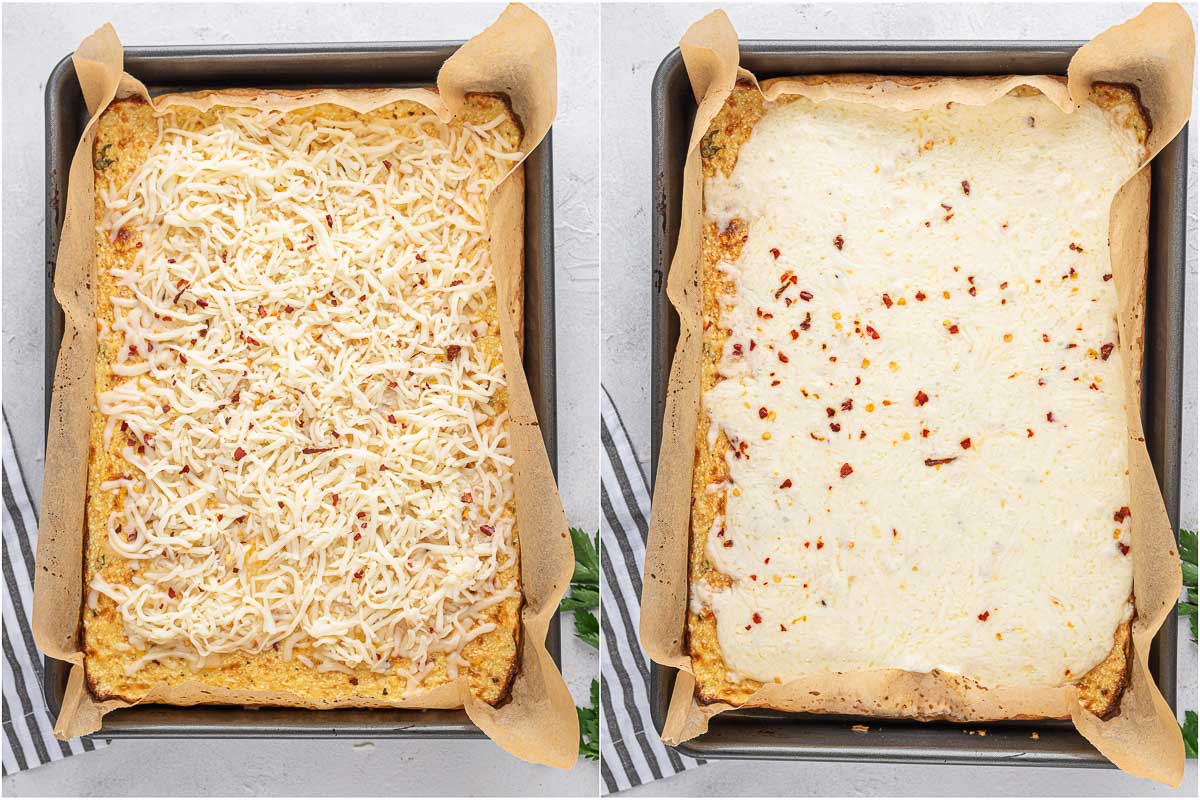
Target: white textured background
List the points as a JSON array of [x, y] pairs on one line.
[[35, 37], [634, 39]]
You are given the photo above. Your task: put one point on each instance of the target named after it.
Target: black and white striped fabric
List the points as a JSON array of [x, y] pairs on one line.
[[28, 730], [632, 752]]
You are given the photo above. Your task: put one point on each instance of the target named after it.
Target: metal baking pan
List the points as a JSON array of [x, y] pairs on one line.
[[174, 69], [761, 734]]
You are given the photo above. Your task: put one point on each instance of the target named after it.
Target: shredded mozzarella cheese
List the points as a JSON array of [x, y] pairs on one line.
[[317, 449]]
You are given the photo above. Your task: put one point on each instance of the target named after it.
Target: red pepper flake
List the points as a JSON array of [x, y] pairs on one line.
[[924, 433], [727, 543], [846, 470], [753, 344], [239, 454], [847, 404], [1049, 415], [1076, 247], [391, 418], [387, 165], [358, 576], [806, 296], [937, 462], [835, 427], [1108, 276], [953, 329], [1045, 337], [971, 291], [737, 349], [1124, 548], [984, 616], [829, 412], [887, 301], [452, 352], [965, 444], [807, 322], [185, 470], [335, 501], [783, 357], [1106, 351], [170, 593], [757, 618], [250, 340], [820, 545], [487, 530], [874, 334], [921, 398], [357, 536], [966, 187], [262, 312], [775, 252], [762, 412], [1123, 513], [1029, 433], [467, 498], [202, 303], [838, 241], [329, 220], [920, 296], [308, 451]]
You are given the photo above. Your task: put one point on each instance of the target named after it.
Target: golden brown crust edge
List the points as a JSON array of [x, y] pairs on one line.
[[1100, 689], [123, 138]]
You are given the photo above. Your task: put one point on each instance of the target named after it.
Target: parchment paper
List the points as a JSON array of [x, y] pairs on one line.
[[1153, 52], [514, 56]]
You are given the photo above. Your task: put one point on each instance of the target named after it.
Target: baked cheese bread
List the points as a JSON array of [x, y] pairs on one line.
[[911, 450], [300, 478]]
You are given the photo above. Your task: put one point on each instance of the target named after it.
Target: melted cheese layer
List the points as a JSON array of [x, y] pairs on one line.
[[916, 287]]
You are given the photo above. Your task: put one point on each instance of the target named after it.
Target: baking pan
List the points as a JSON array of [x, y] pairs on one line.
[[762, 734], [176, 69]]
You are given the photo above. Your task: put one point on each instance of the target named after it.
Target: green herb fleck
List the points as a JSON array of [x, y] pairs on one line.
[[589, 725], [103, 162], [707, 148]]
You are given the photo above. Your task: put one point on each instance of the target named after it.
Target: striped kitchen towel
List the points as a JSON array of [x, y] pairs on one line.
[[28, 730], [631, 751]]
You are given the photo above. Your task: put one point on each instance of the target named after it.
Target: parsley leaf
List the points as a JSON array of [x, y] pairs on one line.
[[587, 558], [589, 725], [583, 599], [585, 586], [587, 627], [1189, 734], [1187, 559]]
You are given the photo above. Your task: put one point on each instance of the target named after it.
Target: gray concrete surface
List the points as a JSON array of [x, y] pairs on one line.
[[35, 37], [634, 39]]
